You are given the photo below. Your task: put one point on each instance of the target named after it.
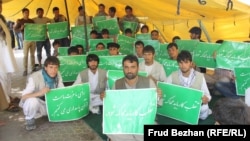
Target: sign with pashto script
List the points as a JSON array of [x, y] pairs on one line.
[[68, 103], [63, 51], [111, 25], [180, 103], [233, 54], [79, 31], [34, 32], [58, 30], [94, 42], [126, 44], [242, 80], [168, 65], [104, 52], [111, 62], [127, 111]]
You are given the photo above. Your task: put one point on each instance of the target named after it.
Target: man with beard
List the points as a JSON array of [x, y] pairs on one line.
[[186, 76], [97, 80], [132, 81]]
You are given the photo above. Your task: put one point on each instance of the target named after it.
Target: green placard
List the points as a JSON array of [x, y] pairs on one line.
[[104, 52], [78, 41], [63, 51], [113, 75], [70, 66], [35, 32], [58, 30], [203, 54], [126, 44], [162, 52], [168, 65], [126, 113], [155, 44], [144, 36], [68, 103], [97, 19], [233, 54], [180, 103], [188, 45], [94, 42], [242, 80], [79, 31], [131, 25], [111, 25], [111, 62]]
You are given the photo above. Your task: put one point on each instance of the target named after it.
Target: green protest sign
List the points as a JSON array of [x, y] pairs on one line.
[[143, 36], [78, 41], [104, 52], [111, 62], [70, 66], [97, 19], [180, 103], [79, 31], [233, 54], [63, 51], [168, 65], [58, 30], [203, 54], [113, 75], [188, 45], [126, 44], [162, 52], [34, 32], [94, 42], [126, 113], [68, 103], [131, 25], [154, 43], [242, 80], [111, 25]]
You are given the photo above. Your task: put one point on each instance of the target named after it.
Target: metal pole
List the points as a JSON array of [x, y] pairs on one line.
[[67, 12], [204, 30], [85, 27]]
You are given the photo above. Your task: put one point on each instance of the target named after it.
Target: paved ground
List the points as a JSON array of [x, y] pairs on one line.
[[14, 128]]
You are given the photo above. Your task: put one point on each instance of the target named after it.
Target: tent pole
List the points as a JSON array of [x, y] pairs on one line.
[[204, 30], [85, 26], [67, 12]]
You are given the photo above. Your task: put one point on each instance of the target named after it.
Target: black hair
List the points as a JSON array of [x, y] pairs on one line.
[[55, 9], [195, 30], [105, 31], [92, 57], [100, 44], [72, 49], [128, 8], [113, 44], [39, 9], [25, 9], [128, 30], [55, 42], [184, 55], [101, 5], [149, 48], [93, 32], [131, 58], [144, 26], [139, 43], [175, 38], [80, 8], [170, 45], [112, 9], [52, 60]]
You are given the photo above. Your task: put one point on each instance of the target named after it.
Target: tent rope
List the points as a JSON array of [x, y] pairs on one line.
[[229, 5], [178, 7], [202, 2], [23, 7]]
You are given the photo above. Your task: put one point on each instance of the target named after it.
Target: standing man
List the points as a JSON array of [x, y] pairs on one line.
[[40, 83], [132, 80], [80, 18], [40, 44], [28, 46], [186, 76], [101, 10], [172, 50], [97, 80], [154, 69], [139, 45]]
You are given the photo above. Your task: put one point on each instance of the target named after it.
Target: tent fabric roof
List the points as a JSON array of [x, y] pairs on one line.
[[168, 17]]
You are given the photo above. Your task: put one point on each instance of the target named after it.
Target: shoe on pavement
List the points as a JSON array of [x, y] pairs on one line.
[[30, 124]]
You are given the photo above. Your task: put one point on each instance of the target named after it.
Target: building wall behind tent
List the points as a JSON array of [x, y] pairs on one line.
[[232, 24]]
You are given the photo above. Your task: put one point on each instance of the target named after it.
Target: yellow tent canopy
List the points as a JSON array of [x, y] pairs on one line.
[[219, 19]]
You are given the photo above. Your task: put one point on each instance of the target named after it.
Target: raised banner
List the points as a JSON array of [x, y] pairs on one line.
[[180, 103], [127, 111], [58, 30], [94, 42], [242, 80], [79, 31], [104, 52], [68, 103], [126, 44], [168, 65], [63, 51], [143, 36], [188, 45], [111, 62], [70, 66], [35, 32], [132, 25], [111, 25]]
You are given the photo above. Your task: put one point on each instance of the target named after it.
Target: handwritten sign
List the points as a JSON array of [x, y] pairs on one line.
[[113, 75], [126, 113], [79, 31], [78, 41], [203, 54], [97, 19], [70, 66], [180, 103], [35, 32], [188, 45], [94, 42], [104, 52], [132, 25], [233, 54], [111, 62], [242, 80], [154, 43], [162, 51], [58, 30], [168, 65], [126, 44], [111, 25], [63, 51], [68, 103], [143, 36]]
